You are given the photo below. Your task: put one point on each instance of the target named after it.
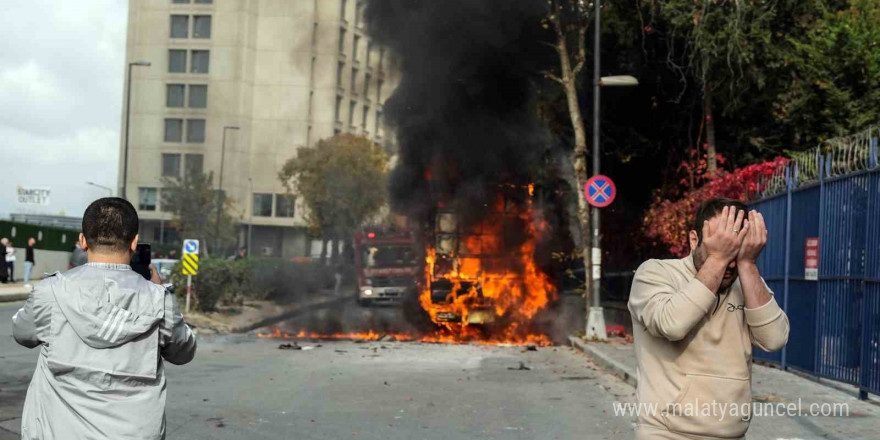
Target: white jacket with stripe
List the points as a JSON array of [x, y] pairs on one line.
[[103, 332]]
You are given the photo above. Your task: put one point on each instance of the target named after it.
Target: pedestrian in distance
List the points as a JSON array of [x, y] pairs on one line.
[[695, 320], [4, 272], [29, 261], [10, 260], [105, 333]]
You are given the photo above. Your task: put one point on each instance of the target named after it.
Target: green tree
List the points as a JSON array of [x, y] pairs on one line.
[[832, 85], [343, 183], [719, 39], [194, 203]]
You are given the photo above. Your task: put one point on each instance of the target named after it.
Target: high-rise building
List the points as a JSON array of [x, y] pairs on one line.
[[244, 83]]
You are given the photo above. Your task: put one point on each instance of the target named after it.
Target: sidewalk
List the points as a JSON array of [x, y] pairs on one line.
[[768, 385], [13, 292]]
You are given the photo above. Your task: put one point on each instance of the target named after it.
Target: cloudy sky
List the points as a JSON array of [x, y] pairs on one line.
[[61, 82]]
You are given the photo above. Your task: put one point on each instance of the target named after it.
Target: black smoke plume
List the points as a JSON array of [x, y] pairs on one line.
[[464, 111]]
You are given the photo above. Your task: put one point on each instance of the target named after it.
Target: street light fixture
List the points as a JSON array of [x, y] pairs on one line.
[[109, 190], [127, 120], [596, 318], [220, 196]]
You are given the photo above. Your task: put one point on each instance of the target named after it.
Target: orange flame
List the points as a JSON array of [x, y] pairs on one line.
[[481, 287]]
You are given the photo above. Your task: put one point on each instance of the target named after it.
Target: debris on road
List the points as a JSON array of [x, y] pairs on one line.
[[522, 367], [290, 346], [531, 348]]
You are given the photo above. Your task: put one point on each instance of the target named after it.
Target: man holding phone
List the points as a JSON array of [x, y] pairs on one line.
[[104, 331]]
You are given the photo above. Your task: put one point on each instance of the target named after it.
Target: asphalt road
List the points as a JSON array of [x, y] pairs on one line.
[[245, 387]]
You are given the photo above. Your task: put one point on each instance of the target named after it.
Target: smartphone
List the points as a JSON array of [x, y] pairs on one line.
[[140, 261]]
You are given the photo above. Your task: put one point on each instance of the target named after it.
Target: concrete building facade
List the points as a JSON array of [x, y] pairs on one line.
[[245, 83]]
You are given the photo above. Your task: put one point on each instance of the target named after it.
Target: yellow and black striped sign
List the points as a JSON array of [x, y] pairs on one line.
[[190, 264]]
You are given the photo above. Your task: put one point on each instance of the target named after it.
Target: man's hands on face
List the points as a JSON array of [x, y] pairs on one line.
[[724, 240], [755, 239]]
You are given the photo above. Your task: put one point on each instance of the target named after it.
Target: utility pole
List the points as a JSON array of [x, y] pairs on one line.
[[250, 234], [127, 121], [220, 195], [595, 318]]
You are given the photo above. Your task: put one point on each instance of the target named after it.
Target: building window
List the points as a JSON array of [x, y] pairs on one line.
[[355, 46], [284, 205], [204, 2], [379, 92], [198, 96], [176, 61], [174, 130], [171, 165], [195, 131], [262, 205], [147, 199], [364, 120], [367, 79], [200, 59], [339, 69], [341, 40], [194, 164], [358, 13], [179, 26], [337, 111], [201, 26], [378, 123], [351, 107], [369, 53], [174, 95], [342, 5], [354, 75], [180, 1]]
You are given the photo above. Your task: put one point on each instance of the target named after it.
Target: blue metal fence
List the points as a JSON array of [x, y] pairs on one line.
[[833, 194]]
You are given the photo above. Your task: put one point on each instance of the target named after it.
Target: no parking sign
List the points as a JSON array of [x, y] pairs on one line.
[[600, 191]]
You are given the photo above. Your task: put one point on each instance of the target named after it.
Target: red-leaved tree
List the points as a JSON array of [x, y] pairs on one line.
[[667, 222]]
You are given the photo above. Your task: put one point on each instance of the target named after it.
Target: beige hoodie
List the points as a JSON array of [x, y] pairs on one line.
[[694, 351]]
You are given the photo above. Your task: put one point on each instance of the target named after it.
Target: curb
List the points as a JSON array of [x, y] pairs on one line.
[[13, 297], [626, 374]]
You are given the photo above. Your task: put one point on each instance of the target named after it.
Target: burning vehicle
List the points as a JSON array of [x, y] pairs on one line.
[[387, 266], [481, 278]]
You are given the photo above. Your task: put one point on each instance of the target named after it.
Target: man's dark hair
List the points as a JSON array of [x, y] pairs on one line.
[[712, 207], [110, 222]]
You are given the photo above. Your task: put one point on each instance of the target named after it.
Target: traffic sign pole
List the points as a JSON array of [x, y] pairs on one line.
[[190, 265], [189, 285]]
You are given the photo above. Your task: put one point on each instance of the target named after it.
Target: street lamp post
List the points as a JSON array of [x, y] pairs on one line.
[[220, 197], [109, 190], [127, 120], [251, 220], [596, 318]]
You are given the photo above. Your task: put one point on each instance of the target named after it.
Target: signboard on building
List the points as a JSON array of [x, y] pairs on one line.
[[811, 259], [32, 196]]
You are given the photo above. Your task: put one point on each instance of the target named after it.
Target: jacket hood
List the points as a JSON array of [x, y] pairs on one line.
[[108, 305]]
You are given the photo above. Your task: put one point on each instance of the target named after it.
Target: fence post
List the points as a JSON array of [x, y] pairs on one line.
[[816, 356], [873, 162], [785, 290]]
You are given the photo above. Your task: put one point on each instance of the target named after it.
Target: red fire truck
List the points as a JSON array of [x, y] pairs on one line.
[[387, 266]]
